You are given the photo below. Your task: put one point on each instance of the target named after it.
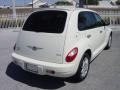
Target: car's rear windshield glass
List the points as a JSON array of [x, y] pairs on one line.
[[49, 21]]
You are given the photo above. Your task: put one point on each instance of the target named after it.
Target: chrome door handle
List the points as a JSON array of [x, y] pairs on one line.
[[88, 36]]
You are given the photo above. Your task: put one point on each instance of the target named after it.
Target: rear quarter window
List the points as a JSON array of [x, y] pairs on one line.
[[49, 21], [86, 20]]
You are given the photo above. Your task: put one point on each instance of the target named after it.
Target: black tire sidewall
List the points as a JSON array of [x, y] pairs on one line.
[[110, 41], [78, 74], [108, 46]]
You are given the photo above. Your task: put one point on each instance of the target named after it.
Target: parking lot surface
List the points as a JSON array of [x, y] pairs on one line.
[[104, 71]]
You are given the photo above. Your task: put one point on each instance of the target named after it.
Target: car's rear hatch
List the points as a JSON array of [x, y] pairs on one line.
[[43, 36]]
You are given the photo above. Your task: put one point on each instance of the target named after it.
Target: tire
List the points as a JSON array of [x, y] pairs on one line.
[[108, 46], [83, 68]]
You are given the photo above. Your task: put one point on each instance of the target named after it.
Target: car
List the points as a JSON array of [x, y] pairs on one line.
[[61, 42]]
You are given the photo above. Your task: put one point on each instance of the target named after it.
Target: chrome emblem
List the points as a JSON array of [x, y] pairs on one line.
[[34, 48]]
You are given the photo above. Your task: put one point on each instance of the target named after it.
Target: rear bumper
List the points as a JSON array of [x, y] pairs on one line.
[[61, 70]]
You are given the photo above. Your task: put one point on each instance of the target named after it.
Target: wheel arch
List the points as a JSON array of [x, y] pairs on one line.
[[89, 52], [111, 33]]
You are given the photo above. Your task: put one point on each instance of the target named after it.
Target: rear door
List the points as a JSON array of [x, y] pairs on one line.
[[43, 36], [88, 30]]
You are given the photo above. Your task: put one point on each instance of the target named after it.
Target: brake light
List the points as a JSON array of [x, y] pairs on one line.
[[72, 55]]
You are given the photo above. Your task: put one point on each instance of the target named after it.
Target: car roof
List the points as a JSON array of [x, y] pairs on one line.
[[66, 9]]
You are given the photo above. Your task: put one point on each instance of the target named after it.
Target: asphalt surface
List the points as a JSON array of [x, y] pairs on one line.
[[104, 71]]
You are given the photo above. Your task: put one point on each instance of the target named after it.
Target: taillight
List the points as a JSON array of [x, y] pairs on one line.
[[72, 55]]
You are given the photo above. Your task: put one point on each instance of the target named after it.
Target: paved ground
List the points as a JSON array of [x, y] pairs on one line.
[[104, 71]]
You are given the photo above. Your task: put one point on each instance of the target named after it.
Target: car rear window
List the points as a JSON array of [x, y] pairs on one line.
[[49, 21]]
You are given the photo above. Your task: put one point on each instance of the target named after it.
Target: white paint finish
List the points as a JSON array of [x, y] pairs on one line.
[[49, 45], [55, 47], [61, 70]]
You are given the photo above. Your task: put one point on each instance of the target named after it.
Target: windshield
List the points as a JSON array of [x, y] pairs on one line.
[[46, 21]]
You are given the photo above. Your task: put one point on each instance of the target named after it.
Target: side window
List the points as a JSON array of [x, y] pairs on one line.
[[99, 21], [82, 21], [86, 20]]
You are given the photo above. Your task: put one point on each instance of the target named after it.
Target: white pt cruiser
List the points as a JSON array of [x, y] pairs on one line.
[[61, 42]]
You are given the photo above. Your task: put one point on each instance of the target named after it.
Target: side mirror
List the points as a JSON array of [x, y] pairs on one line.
[[106, 23]]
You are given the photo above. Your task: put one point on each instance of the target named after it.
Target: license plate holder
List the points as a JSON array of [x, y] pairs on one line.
[[31, 67]]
